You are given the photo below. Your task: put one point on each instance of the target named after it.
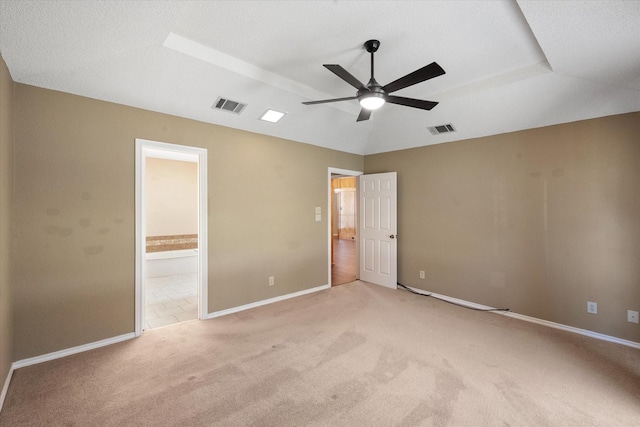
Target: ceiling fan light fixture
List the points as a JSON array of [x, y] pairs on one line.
[[372, 101]]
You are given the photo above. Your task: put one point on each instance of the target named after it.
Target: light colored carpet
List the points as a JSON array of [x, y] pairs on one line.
[[354, 355]]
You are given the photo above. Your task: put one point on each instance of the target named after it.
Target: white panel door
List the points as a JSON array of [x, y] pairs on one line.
[[378, 229]]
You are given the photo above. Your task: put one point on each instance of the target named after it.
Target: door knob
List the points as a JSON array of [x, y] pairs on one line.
[[393, 236]]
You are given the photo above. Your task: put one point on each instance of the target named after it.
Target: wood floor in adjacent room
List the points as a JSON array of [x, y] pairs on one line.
[[345, 266], [352, 355]]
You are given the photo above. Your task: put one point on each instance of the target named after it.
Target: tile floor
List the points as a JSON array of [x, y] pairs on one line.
[[171, 299]]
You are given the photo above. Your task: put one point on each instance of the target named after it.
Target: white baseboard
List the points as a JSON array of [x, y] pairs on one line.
[[547, 323], [6, 387], [568, 328], [265, 302], [69, 351], [57, 355]]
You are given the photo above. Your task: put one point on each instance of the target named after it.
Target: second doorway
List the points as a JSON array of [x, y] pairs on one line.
[[344, 261]]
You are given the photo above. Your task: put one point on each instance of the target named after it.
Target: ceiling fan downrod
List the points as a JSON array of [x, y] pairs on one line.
[[372, 47]]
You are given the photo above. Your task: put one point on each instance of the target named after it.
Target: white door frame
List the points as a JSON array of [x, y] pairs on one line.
[[144, 149], [345, 172]]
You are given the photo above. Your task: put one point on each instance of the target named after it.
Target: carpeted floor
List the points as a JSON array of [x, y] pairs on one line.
[[354, 355]]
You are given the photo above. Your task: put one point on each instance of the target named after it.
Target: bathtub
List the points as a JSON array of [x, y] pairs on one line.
[[171, 263]]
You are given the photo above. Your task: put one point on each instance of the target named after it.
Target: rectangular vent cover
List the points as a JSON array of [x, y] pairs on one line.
[[437, 130], [228, 105]]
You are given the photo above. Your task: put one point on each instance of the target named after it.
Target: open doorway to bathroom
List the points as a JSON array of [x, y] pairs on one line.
[[171, 238], [171, 188]]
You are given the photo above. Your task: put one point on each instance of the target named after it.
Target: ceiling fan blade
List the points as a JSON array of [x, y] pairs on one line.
[[324, 101], [410, 102], [364, 115], [344, 75], [425, 73]]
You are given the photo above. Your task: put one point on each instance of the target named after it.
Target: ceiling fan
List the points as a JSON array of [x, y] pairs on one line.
[[373, 96]]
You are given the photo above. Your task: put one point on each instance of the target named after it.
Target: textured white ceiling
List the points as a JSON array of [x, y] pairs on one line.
[[509, 65]]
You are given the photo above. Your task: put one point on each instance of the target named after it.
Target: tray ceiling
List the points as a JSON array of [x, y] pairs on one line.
[[509, 65]]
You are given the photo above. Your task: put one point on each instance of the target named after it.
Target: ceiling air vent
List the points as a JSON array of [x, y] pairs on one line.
[[228, 105], [437, 130]]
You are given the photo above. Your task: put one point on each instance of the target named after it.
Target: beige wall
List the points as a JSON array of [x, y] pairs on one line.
[[172, 197], [6, 205], [74, 216], [540, 221]]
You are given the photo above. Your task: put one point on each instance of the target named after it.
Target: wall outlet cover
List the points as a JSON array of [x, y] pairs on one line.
[[592, 307], [632, 316]]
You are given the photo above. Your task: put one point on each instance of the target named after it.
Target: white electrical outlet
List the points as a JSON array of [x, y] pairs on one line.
[[422, 274], [592, 307], [632, 316], [272, 281]]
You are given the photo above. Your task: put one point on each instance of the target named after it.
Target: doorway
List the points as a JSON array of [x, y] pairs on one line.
[[171, 187], [343, 226], [171, 237]]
